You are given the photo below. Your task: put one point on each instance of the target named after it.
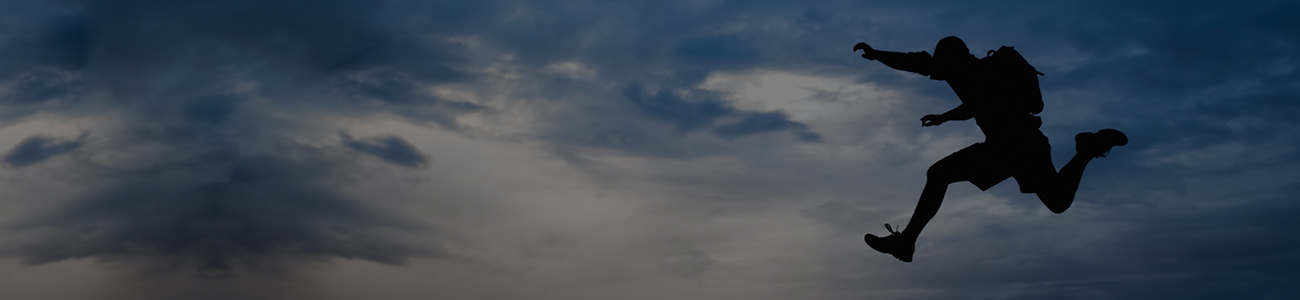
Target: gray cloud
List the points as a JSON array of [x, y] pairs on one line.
[[222, 210], [680, 259]]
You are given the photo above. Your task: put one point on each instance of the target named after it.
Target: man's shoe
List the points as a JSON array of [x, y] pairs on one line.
[[1098, 144], [893, 244]]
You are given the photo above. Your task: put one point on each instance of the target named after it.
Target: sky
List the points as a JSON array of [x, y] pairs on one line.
[[705, 149]]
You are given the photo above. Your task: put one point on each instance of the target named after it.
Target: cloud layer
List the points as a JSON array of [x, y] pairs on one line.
[[642, 150]]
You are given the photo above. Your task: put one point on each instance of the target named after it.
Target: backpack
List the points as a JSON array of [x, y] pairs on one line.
[[1014, 79]]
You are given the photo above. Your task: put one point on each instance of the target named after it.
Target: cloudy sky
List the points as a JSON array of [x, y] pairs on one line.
[[700, 149]]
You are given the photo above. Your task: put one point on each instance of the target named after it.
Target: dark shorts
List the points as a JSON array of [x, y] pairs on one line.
[[986, 164]]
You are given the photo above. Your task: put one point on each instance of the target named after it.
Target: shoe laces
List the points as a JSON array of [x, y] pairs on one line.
[[891, 230]]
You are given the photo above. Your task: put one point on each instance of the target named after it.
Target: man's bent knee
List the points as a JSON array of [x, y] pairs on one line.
[[1055, 203]]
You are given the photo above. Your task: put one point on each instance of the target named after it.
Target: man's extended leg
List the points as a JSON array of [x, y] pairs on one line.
[[948, 170], [1059, 195], [902, 244], [926, 208]]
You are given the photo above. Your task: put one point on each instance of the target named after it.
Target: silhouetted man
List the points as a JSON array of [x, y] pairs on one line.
[[1001, 93]]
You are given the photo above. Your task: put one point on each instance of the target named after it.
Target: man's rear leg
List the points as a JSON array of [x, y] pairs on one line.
[[1060, 194]]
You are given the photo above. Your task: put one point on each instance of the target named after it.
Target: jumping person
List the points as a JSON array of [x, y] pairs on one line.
[[1001, 93]]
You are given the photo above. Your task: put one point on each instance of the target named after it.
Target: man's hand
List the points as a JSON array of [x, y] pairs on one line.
[[933, 120], [867, 52]]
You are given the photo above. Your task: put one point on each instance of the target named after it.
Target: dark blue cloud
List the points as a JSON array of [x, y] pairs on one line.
[[42, 87], [401, 93], [718, 52], [212, 109], [36, 149], [695, 109], [392, 149], [766, 122], [687, 111]]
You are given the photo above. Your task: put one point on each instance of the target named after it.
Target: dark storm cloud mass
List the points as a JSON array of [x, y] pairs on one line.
[[1195, 207], [184, 181]]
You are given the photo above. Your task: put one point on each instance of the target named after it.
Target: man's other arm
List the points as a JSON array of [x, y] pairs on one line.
[[961, 112]]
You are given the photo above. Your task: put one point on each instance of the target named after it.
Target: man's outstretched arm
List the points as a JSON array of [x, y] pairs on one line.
[[916, 62]]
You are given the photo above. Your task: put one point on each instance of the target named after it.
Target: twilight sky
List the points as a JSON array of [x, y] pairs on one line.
[[705, 149]]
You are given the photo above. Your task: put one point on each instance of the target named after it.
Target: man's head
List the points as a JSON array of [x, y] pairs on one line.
[[950, 55], [950, 48]]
